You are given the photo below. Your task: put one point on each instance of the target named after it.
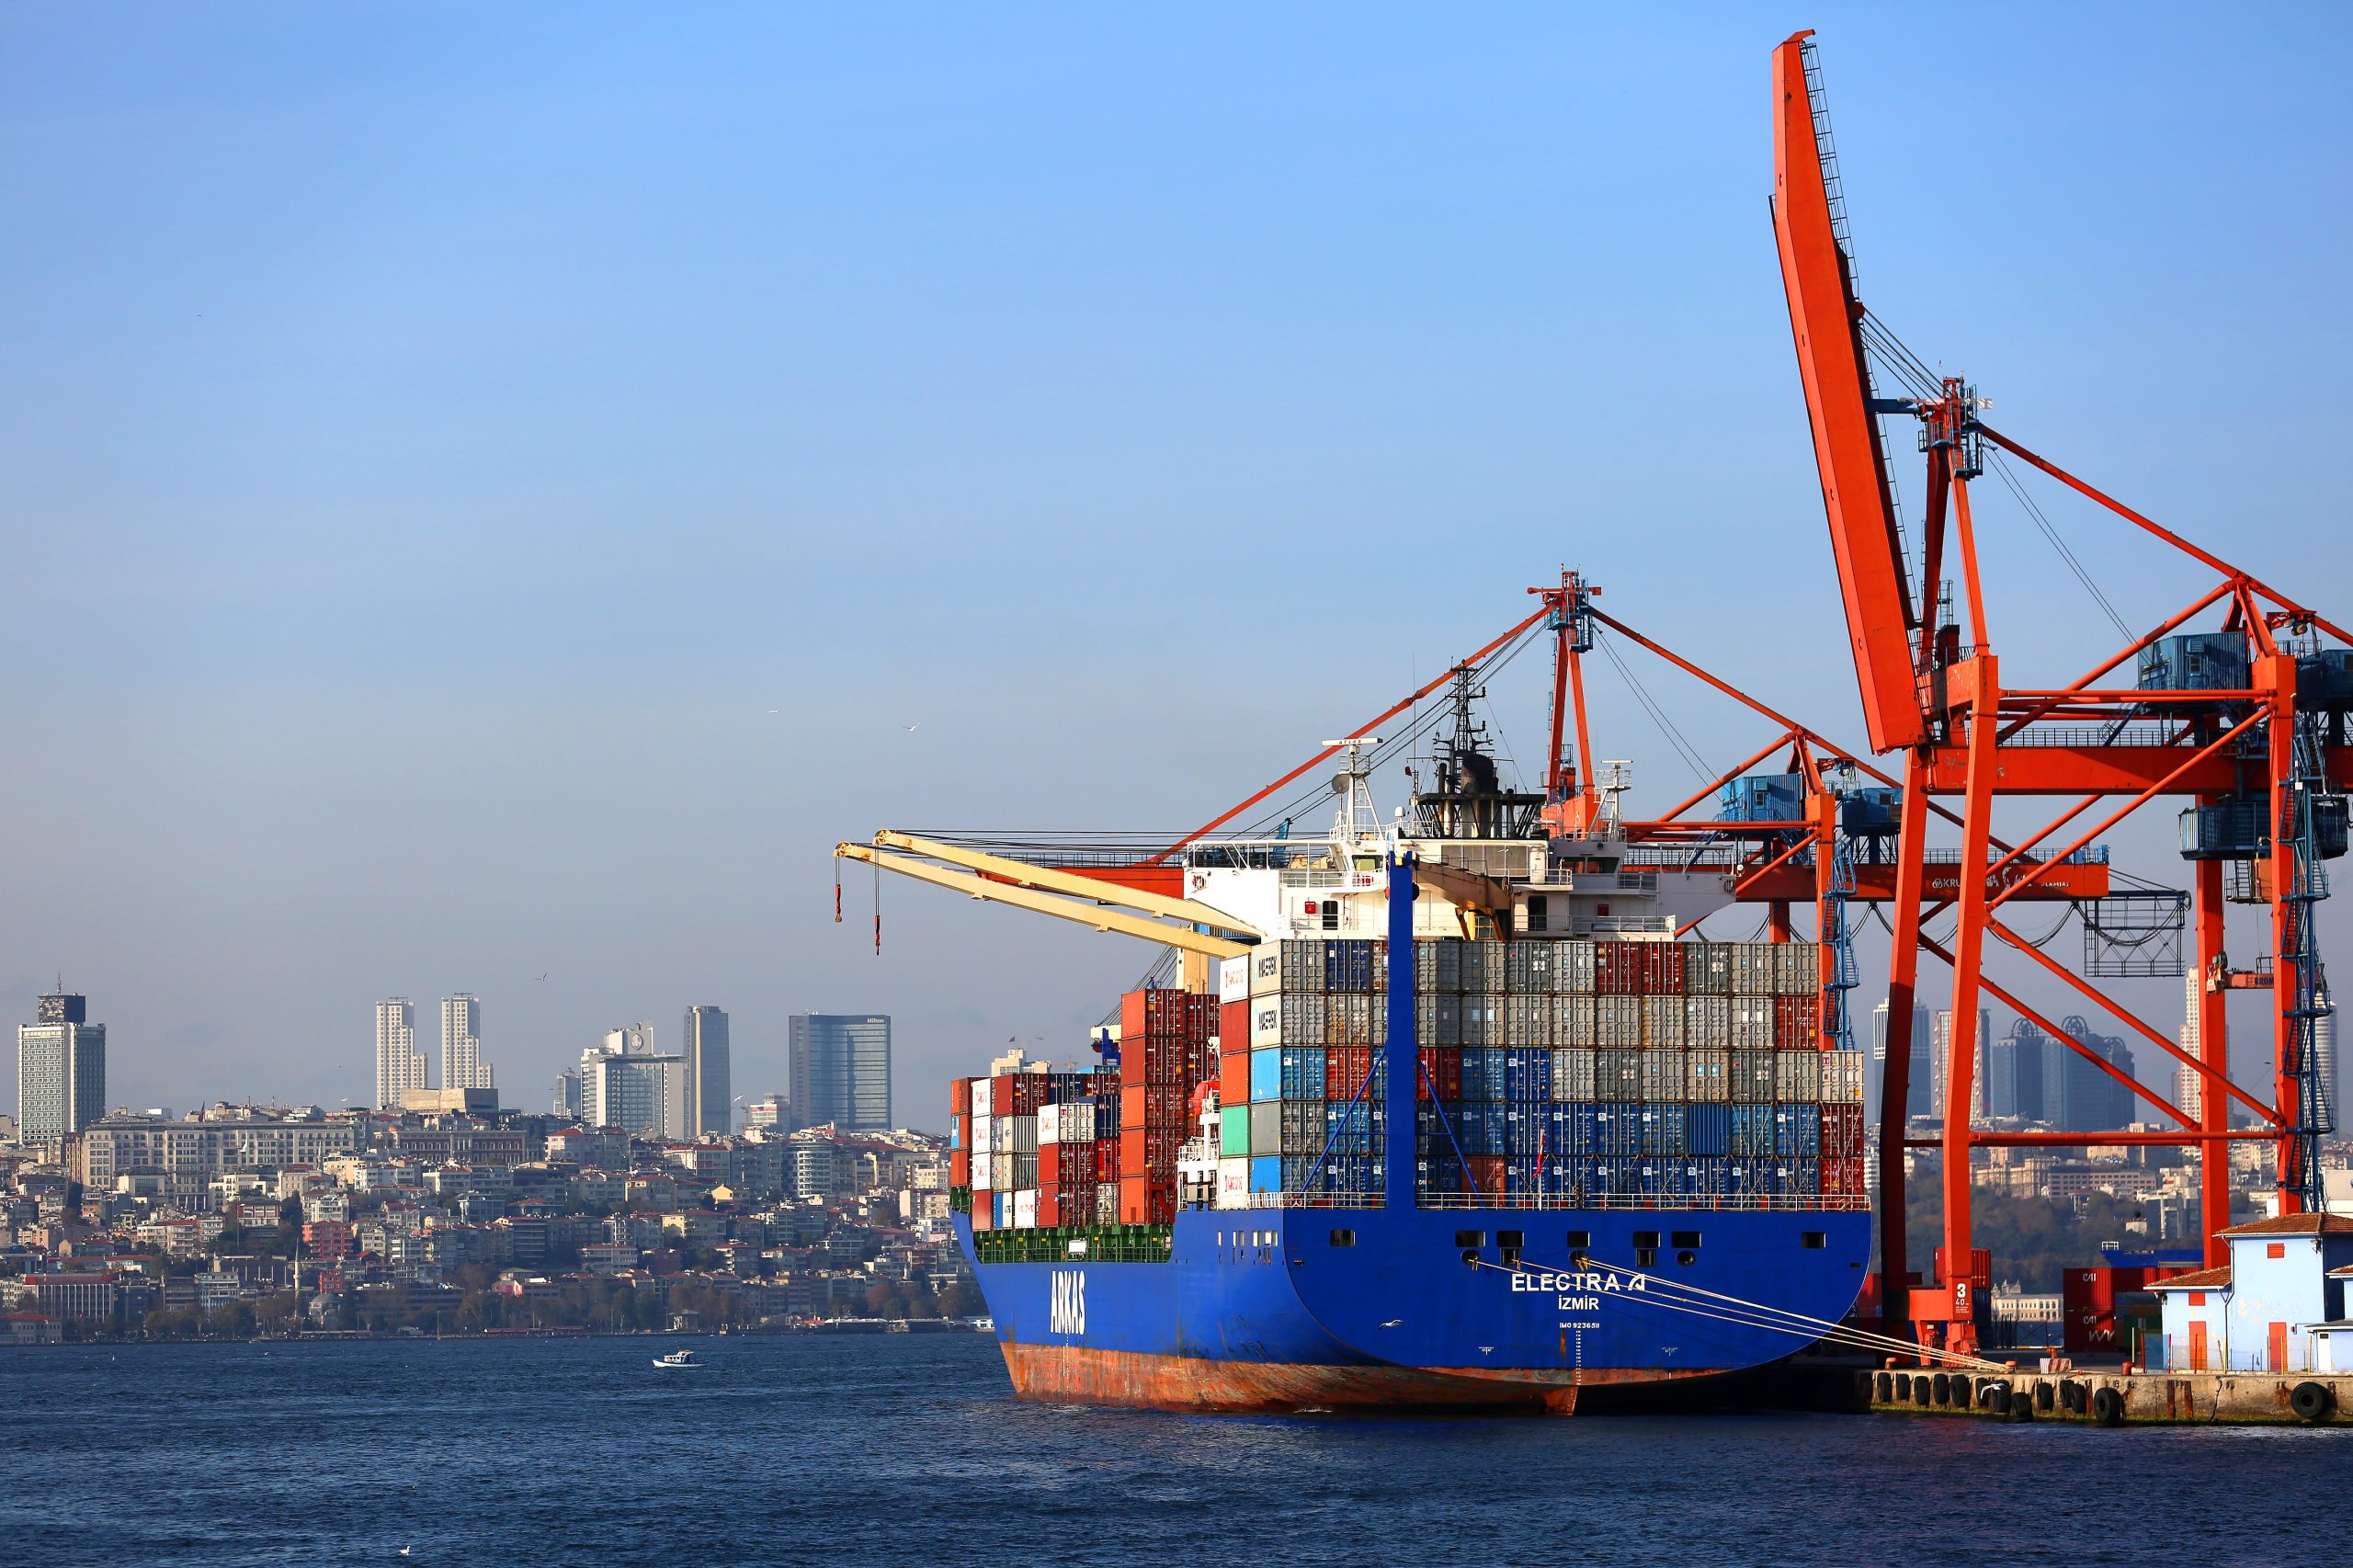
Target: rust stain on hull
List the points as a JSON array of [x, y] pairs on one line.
[[1070, 1374]]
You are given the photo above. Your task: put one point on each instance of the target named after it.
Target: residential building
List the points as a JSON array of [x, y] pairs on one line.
[[464, 1066], [567, 1093], [2286, 1275], [399, 1066], [768, 1114], [190, 1152], [840, 1071], [61, 1070], [709, 1102]]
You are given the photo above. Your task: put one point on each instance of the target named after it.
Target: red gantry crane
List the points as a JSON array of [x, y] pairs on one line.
[[2245, 723]]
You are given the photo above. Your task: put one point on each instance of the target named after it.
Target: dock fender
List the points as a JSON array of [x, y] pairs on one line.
[[2107, 1407], [2311, 1402]]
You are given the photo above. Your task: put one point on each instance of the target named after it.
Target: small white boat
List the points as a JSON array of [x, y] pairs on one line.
[[679, 1361]]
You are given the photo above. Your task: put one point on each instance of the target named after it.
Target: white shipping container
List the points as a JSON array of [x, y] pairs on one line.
[[1233, 979], [1706, 1022], [980, 1097], [1797, 969], [1755, 970], [1572, 1018], [1266, 961], [1024, 1208], [1703, 1077], [1021, 1134], [1842, 1077], [983, 1134], [1234, 1184], [1752, 1019], [1663, 1023], [983, 1172], [1049, 1124], [1573, 1074], [1797, 1075]]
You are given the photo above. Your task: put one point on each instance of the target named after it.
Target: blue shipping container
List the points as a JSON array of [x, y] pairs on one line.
[[1266, 1076], [1797, 1131], [1663, 1130], [1752, 1131], [1528, 1075], [1302, 1072], [1267, 1173], [1708, 1129]]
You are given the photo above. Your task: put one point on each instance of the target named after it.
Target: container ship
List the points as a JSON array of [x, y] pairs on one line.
[[1446, 1109]]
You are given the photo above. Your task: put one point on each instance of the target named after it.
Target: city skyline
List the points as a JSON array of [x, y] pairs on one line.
[[452, 513]]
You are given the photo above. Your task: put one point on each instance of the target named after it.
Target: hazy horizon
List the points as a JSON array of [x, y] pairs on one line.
[[503, 493]]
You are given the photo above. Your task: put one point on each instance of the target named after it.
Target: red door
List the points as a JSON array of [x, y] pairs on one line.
[[2279, 1346], [2198, 1346]]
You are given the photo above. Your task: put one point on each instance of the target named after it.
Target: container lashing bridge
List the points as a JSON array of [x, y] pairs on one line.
[[2245, 723]]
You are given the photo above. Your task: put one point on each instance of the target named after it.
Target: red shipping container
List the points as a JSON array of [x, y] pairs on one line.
[[982, 1209], [1106, 1157], [1029, 1093], [1618, 969], [1233, 1026], [1233, 1078], [1487, 1173], [1442, 1065], [959, 1167], [959, 1096], [1797, 1023], [1200, 1016], [1842, 1178], [1842, 1131], [1001, 1093], [1662, 969], [1345, 1068], [1050, 1165], [1146, 1201]]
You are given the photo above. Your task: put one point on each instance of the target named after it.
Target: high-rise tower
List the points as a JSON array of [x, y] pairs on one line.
[[61, 1070], [464, 1066], [710, 1103], [399, 1066]]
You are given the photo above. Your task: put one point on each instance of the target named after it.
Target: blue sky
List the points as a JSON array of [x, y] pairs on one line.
[[437, 437]]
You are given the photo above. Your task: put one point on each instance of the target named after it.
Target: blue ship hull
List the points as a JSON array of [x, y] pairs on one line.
[[1258, 1309]]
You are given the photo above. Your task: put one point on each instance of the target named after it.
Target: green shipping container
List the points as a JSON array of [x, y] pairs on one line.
[[1233, 1131]]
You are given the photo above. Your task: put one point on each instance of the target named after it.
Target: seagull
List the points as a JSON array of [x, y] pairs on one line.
[[776, 710], [1392, 1323], [544, 974], [914, 727]]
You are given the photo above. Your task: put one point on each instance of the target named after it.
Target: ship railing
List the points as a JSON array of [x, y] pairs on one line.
[[1794, 1202], [1302, 1200]]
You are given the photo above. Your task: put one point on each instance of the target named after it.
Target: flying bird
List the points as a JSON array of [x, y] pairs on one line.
[[914, 727], [1392, 1323], [544, 974]]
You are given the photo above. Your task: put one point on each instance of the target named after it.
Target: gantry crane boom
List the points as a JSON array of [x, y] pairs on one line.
[[1826, 318], [1183, 937], [1075, 884]]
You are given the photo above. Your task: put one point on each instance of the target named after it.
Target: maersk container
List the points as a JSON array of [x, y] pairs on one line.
[[1708, 1129], [1265, 1023], [1265, 963], [1233, 1131], [2195, 660], [1267, 1173]]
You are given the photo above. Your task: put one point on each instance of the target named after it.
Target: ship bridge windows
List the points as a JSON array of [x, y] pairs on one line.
[[1540, 909]]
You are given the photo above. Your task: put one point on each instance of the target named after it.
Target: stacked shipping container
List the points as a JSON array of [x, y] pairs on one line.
[[1626, 1073]]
